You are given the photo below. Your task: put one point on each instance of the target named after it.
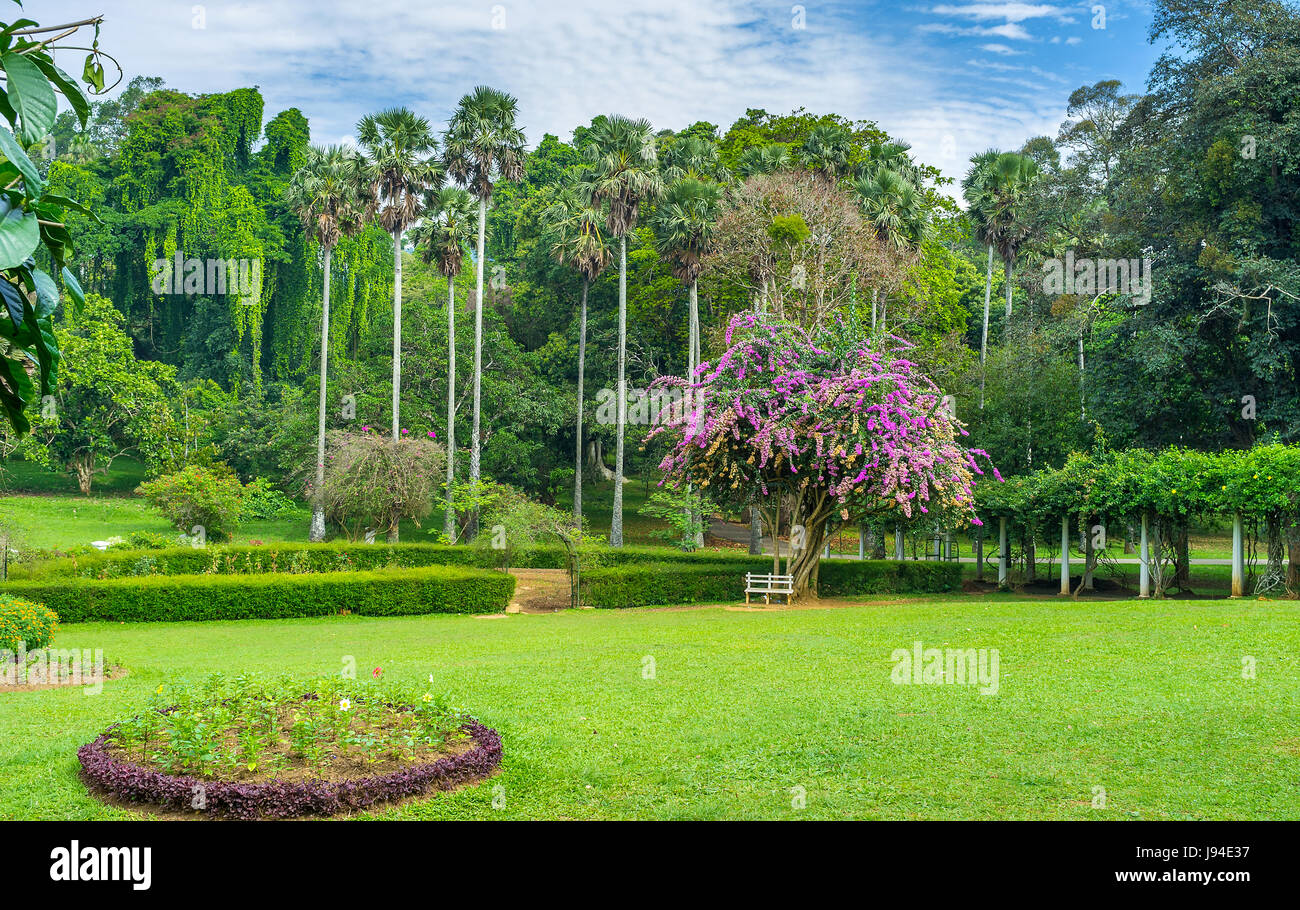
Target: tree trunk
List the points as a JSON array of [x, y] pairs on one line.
[[1293, 562], [1183, 571], [1031, 560], [803, 564], [1009, 265], [84, 466], [475, 454], [317, 532], [397, 332], [616, 523], [582, 366], [694, 361], [449, 517], [984, 334], [755, 532], [397, 348]]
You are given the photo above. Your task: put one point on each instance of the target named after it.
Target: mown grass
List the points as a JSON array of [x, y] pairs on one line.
[[1144, 699], [57, 521]]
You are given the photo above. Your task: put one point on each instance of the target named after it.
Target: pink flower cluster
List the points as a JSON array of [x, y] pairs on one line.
[[864, 425]]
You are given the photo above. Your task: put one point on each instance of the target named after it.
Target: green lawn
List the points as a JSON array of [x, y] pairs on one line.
[[1145, 699], [44, 522]]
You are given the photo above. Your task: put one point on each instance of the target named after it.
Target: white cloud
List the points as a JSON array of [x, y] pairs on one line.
[[1011, 12], [1010, 31], [1002, 49]]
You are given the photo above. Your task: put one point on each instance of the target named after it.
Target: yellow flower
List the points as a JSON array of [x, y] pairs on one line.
[[427, 697], [159, 690]]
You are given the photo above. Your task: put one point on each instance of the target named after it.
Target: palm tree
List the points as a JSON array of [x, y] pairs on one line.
[[482, 144], [896, 210], [324, 194], [442, 238], [826, 150], [683, 226], [995, 188], [581, 244], [890, 156], [764, 159], [623, 173], [395, 141], [694, 156]]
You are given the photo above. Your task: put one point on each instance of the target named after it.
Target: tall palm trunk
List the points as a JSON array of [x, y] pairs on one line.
[[397, 331], [317, 533], [984, 335], [1009, 266], [475, 454], [616, 523], [694, 361], [449, 518], [397, 347], [582, 366]]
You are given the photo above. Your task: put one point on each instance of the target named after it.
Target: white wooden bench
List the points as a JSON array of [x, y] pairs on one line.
[[767, 585]]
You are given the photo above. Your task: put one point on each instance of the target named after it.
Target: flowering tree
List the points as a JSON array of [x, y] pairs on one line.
[[823, 424]]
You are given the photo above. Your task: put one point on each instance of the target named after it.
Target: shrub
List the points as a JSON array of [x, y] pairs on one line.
[[372, 482], [146, 540], [163, 598], [210, 498], [25, 625], [263, 502]]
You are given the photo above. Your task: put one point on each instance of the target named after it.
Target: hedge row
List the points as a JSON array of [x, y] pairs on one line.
[[338, 557], [394, 592], [682, 582]]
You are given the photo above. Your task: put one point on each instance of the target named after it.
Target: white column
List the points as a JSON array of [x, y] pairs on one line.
[[1238, 559], [862, 541], [898, 542], [1003, 559], [1144, 573], [1065, 555]]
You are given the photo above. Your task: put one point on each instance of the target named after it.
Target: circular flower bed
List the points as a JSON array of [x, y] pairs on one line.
[[250, 750]]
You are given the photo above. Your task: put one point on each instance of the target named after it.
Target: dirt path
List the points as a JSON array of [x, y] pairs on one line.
[[539, 591]]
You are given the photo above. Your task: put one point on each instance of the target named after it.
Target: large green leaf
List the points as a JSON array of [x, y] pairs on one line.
[[74, 288], [47, 294], [31, 95], [15, 391], [20, 233], [10, 148], [13, 299], [66, 84]]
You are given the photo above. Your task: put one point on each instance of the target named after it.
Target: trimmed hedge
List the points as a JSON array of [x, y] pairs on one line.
[[176, 598], [718, 582], [337, 557]]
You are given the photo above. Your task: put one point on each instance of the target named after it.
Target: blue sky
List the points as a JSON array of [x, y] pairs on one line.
[[951, 78]]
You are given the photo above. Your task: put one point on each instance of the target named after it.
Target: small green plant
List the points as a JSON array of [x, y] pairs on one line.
[[687, 513], [249, 727], [263, 502]]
